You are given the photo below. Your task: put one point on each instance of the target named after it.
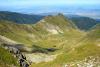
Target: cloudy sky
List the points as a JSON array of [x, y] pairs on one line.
[[44, 6]]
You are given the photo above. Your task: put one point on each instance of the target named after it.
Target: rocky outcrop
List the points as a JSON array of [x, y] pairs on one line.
[[19, 55]]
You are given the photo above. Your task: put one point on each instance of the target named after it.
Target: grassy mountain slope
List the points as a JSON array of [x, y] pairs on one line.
[[50, 27], [81, 54], [19, 18], [55, 32], [58, 32], [15, 31]]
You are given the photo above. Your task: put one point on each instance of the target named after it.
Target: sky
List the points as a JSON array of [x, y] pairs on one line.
[[45, 6]]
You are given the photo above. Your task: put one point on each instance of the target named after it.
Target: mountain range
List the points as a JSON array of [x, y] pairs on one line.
[[83, 23], [53, 41]]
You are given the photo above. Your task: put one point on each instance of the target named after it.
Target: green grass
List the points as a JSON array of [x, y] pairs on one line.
[[7, 58], [79, 53], [15, 32]]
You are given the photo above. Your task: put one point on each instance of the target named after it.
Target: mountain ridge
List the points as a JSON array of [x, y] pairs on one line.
[[19, 17], [83, 23]]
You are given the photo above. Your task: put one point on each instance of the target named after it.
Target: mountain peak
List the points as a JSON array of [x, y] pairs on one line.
[[58, 19], [56, 23]]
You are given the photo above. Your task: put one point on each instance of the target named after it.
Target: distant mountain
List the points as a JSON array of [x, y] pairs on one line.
[[19, 18], [83, 23]]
